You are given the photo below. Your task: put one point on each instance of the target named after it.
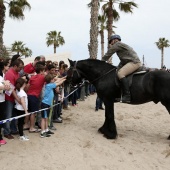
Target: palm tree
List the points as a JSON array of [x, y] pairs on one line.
[[102, 19], [18, 46], [6, 53], [27, 52], [113, 15], [54, 38], [16, 9], [93, 45], [161, 44], [102, 27]]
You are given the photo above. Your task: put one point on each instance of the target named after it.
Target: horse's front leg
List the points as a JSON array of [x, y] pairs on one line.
[[109, 126]]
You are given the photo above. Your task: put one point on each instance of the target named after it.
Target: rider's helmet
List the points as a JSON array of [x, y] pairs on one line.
[[114, 37]]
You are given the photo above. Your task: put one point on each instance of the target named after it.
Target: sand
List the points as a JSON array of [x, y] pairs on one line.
[[77, 145]]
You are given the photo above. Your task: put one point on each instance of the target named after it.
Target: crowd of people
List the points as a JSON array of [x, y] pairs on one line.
[[37, 93]]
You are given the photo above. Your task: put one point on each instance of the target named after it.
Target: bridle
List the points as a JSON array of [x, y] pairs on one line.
[[74, 70]]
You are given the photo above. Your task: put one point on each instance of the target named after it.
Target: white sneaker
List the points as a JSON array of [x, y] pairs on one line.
[[60, 119], [23, 138], [26, 136]]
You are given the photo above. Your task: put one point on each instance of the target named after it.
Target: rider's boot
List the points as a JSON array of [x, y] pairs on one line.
[[126, 97]]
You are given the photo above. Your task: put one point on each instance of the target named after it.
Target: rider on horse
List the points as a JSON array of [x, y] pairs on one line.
[[129, 62]]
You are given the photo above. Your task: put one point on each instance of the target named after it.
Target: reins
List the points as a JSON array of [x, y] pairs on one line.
[[102, 75], [75, 69]]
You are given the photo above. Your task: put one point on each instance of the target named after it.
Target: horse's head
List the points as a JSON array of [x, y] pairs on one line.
[[73, 76]]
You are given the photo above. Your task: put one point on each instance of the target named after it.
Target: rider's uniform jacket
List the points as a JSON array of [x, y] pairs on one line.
[[124, 52]]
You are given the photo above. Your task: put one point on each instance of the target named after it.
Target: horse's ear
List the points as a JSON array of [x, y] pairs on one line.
[[71, 62]]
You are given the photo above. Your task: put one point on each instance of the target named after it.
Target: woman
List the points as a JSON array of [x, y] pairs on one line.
[[4, 85]]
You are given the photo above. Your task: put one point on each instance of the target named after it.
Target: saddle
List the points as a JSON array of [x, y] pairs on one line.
[[129, 77]]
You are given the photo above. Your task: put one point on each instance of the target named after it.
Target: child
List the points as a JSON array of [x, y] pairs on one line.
[[34, 87], [47, 102], [21, 108]]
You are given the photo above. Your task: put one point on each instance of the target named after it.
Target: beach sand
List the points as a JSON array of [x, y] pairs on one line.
[[77, 145]]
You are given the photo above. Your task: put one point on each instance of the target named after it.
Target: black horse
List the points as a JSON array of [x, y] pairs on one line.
[[150, 86]]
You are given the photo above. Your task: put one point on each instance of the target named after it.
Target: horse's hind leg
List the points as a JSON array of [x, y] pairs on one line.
[[109, 126], [168, 108]]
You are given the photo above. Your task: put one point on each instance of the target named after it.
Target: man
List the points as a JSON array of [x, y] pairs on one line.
[[30, 68], [12, 75], [129, 62]]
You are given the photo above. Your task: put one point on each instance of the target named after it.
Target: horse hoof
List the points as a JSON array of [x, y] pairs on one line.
[[100, 130], [110, 137], [168, 137]]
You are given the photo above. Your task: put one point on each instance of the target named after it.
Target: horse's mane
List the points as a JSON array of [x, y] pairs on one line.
[[99, 62]]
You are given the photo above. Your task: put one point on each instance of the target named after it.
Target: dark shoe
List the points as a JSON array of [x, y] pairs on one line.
[[101, 108], [65, 108], [14, 133], [50, 133], [9, 136], [36, 124], [58, 120], [44, 135], [96, 109]]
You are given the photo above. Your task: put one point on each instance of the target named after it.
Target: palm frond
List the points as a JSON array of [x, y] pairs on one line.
[[17, 7], [127, 6]]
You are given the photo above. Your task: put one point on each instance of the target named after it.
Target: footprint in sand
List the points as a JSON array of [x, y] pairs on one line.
[[167, 152], [87, 144]]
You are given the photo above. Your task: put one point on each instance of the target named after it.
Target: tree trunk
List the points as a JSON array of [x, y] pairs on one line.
[[2, 22], [162, 57], [54, 49], [110, 24], [93, 46], [102, 43]]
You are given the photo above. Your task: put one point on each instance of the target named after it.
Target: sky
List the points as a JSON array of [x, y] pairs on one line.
[[140, 30]]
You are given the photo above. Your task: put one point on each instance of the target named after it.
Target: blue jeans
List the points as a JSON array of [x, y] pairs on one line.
[[2, 116], [9, 126]]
